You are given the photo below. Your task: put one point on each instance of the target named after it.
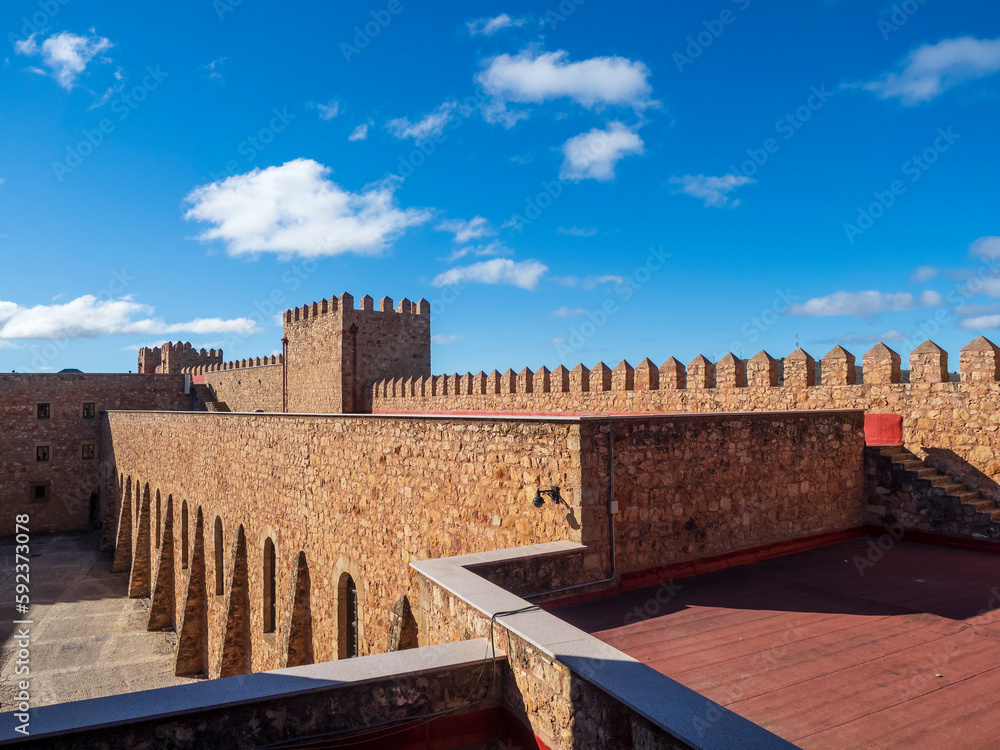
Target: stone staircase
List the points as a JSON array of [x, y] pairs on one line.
[[956, 501], [204, 393]]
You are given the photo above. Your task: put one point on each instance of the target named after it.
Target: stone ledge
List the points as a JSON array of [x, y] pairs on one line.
[[654, 696], [48, 722]]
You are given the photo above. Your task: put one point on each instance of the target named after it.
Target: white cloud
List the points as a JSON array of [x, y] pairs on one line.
[[931, 69], [494, 248], [464, 231], [533, 77], [213, 70], [989, 287], [329, 110], [490, 26], [451, 339], [87, 317], [981, 323], [65, 56], [713, 190], [360, 133], [987, 248], [924, 273], [427, 127], [566, 312], [594, 154], [852, 338], [930, 298], [988, 309], [524, 274], [296, 209], [592, 282], [864, 304], [575, 231]]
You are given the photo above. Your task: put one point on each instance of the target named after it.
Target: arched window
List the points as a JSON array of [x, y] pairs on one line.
[[220, 581], [184, 535], [270, 586], [348, 617], [157, 518]]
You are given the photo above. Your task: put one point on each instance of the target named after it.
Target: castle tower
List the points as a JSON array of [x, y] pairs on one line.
[[170, 358], [334, 352]]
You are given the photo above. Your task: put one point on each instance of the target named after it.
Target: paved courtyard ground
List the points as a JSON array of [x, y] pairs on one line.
[[88, 638]]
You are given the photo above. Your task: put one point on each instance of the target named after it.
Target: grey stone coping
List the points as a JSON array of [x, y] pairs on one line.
[[480, 417], [774, 413], [680, 711], [513, 416], [163, 703]]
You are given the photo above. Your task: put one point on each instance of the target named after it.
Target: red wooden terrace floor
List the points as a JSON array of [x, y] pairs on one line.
[[904, 656]]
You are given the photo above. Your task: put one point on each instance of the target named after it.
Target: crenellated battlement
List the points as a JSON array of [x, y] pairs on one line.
[[171, 358], [344, 304], [240, 364], [979, 362]]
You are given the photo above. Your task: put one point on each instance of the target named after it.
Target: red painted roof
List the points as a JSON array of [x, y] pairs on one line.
[[826, 650]]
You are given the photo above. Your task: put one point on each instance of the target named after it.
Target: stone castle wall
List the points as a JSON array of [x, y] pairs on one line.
[[695, 486], [367, 495], [361, 495], [335, 352], [246, 386], [952, 425], [170, 359], [69, 478]]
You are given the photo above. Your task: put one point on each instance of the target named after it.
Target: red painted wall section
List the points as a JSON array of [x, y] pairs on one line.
[[883, 429]]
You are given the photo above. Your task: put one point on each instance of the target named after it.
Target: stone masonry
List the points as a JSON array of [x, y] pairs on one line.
[[67, 429], [362, 496], [955, 426]]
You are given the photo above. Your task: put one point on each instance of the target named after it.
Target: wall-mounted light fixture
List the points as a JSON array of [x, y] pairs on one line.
[[553, 494]]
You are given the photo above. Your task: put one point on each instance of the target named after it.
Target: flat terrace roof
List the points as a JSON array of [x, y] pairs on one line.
[[844, 646]]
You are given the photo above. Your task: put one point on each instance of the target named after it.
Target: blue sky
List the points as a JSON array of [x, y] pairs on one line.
[[576, 182]]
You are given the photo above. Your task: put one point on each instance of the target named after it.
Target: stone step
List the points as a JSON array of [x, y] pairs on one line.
[[954, 489], [942, 480], [892, 450], [994, 515], [981, 505], [912, 464], [927, 473]]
